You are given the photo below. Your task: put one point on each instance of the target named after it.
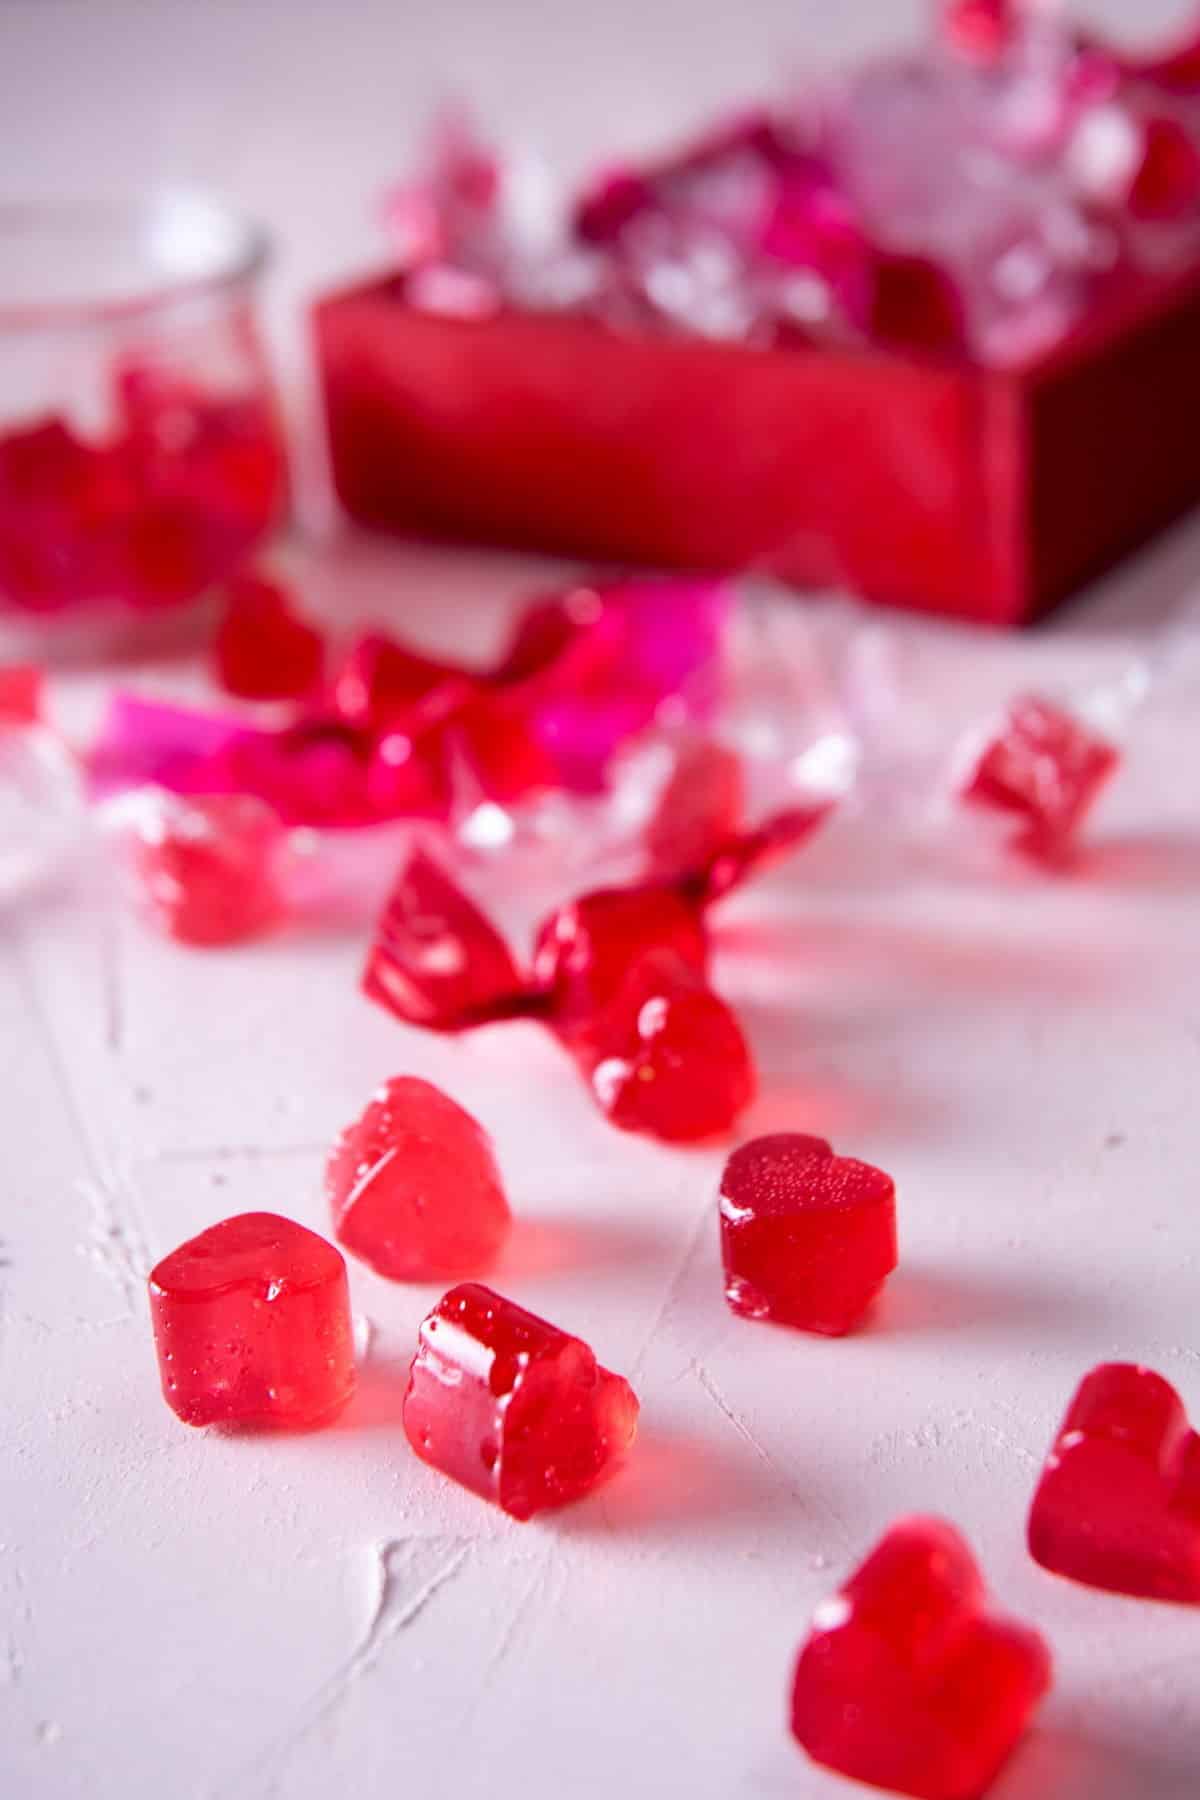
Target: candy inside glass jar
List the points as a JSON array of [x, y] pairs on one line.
[[140, 448]]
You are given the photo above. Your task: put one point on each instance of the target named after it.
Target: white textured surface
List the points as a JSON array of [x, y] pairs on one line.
[[205, 1616]]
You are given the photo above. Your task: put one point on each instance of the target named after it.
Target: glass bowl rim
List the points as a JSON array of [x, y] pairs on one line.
[[246, 260]]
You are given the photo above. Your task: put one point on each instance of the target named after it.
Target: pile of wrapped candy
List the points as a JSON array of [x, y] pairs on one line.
[[975, 197], [647, 746]]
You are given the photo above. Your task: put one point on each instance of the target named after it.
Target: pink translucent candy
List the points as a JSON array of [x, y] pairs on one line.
[[1044, 768], [436, 960], [514, 1409], [414, 1187], [1118, 1503], [1166, 184], [20, 695], [807, 1238], [207, 868], [667, 1057], [252, 1325], [908, 1680], [146, 742]]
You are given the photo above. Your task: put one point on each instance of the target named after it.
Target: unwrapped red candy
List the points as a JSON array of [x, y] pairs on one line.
[[907, 1680], [414, 1187], [1118, 1504], [1045, 769], [667, 1056], [252, 1325], [20, 694], [207, 869], [514, 1409], [807, 1238], [264, 650]]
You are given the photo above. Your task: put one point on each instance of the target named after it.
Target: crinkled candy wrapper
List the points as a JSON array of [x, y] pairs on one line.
[[397, 735], [975, 196]]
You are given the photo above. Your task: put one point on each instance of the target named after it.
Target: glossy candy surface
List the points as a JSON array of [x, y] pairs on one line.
[[264, 650], [807, 1238], [667, 1056], [414, 1188], [252, 1325], [907, 1679], [436, 960], [1046, 769], [1118, 1503], [206, 869], [513, 1408]]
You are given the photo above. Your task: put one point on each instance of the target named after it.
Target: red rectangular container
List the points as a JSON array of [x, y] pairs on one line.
[[934, 485]]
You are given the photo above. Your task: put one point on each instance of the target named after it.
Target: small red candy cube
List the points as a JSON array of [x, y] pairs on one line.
[[514, 1409], [1044, 768], [667, 1056], [264, 649], [1118, 1504], [807, 1238], [207, 867], [252, 1325], [907, 1680], [414, 1186]]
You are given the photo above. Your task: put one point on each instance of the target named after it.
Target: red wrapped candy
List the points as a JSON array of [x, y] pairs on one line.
[[1045, 769], [264, 650]]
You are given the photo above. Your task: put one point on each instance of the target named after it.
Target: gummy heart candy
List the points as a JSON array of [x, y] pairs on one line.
[[807, 1238], [907, 1680], [264, 650], [252, 1325], [414, 1187], [585, 950], [436, 960], [1044, 767], [514, 1409], [667, 1056], [206, 869], [1118, 1503]]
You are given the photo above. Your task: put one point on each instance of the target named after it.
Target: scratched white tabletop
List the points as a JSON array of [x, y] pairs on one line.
[[214, 1616]]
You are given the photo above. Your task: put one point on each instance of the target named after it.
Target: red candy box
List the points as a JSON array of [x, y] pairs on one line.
[[917, 480]]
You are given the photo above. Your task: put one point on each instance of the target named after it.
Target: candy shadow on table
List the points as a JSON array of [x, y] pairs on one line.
[[537, 1247], [836, 1109], [677, 1480], [885, 965], [1160, 862], [1057, 1764], [920, 1297]]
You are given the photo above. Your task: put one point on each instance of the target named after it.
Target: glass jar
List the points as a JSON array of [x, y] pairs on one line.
[[141, 454]]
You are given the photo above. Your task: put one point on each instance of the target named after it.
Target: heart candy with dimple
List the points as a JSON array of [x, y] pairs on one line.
[[807, 1238], [1118, 1503]]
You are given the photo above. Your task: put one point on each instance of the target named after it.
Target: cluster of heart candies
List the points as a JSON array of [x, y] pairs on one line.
[[907, 1679]]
